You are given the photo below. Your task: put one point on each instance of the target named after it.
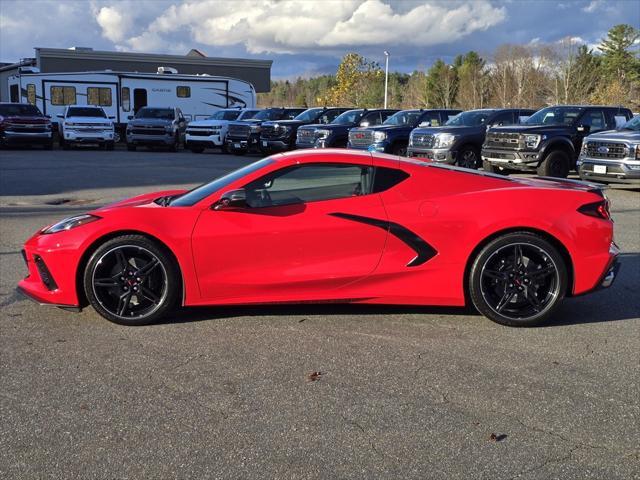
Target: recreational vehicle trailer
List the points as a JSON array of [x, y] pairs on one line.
[[122, 94]]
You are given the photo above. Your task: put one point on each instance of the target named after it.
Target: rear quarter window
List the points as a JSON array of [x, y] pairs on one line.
[[386, 178]]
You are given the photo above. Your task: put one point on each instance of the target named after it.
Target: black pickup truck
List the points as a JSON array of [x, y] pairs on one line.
[[280, 136], [393, 135], [549, 141], [336, 133], [244, 136], [460, 139]]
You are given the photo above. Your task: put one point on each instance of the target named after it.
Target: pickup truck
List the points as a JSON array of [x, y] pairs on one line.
[[24, 124], [460, 139], [281, 135], [155, 126], [244, 136], [86, 125], [336, 133], [211, 132], [549, 141], [612, 156], [393, 135]]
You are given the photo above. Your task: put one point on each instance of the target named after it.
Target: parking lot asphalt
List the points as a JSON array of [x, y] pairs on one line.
[[230, 392]]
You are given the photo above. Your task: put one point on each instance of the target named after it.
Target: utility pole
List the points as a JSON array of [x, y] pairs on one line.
[[386, 76]]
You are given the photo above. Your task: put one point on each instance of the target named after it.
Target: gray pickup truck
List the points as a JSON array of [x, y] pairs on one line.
[[153, 126], [612, 156]]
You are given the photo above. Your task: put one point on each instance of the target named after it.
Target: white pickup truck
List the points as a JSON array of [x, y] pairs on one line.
[[211, 133], [86, 125]]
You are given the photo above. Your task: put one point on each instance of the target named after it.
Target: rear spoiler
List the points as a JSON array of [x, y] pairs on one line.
[[597, 188]]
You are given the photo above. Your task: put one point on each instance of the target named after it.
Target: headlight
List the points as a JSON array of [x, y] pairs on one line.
[[379, 136], [69, 223], [443, 140], [322, 133], [532, 141]]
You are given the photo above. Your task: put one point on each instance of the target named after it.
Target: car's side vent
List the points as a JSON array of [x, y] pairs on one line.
[[45, 274]]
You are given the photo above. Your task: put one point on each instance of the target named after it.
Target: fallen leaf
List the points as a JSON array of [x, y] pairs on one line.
[[497, 437], [313, 376]]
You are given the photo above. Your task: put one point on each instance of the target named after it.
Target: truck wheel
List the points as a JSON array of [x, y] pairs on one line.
[[197, 149], [468, 157], [131, 147], [555, 164], [400, 150]]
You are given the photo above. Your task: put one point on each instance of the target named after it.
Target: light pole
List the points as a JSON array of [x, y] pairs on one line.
[[386, 76]]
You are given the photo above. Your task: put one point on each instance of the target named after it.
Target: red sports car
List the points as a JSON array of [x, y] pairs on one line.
[[333, 226]]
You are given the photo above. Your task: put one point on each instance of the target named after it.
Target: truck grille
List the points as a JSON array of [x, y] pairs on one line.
[[27, 128], [201, 132], [424, 140], [148, 131], [269, 131], [606, 150], [306, 136], [238, 131], [360, 138], [503, 140]]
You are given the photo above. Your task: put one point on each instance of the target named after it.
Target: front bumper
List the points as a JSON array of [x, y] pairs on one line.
[[138, 139], [279, 145], [25, 138], [88, 136], [244, 144], [512, 159], [609, 171], [442, 155], [208, 141], [382, 147]]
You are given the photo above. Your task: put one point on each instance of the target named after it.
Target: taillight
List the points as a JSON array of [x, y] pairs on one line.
[[597, 209]]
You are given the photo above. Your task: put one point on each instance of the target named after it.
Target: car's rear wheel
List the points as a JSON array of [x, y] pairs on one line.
[[556, 164], [131, 280], [518, 279], [468, 157]]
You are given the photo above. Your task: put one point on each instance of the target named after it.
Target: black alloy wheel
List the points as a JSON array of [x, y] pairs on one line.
[[518, 280], [468, 158], [400, 150], [131, 281], [556, 164]]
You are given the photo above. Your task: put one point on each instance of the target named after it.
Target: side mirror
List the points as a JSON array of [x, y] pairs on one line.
[[364, 123], [130, 117], [231, 200], [584, 128]]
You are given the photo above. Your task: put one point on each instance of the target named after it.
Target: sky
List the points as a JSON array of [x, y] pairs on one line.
[[306, 37]]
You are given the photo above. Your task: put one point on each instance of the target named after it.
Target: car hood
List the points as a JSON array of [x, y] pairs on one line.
[[387, 128], [619, 135], [26, 119], [532, 128], [85, 120], [150, 122], [455, 130], [291, 123], [209, 123], [139, 200], [328, 126]]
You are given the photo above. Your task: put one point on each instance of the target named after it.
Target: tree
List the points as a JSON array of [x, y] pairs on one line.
[[473, 87], [442, 85], [576, 72], [619, 59], [356, 79]]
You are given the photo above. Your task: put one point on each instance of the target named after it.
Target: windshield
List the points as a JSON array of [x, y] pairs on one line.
[[554, 116], [407, 117], [633, 124], [469, 119], [246, 114], [17, 109], [268, 114], [203, 191], [309, 115], [160, 113], [347, 118], [225, 115], [85, 112]]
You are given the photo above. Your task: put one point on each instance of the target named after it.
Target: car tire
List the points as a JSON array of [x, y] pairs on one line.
[[131, 148], [132, 280], [400, 150], [197, 149], [518, 279], [468, 157], [555, 164]]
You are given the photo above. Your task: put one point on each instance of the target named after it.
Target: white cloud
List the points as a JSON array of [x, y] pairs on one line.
[[114, 23]]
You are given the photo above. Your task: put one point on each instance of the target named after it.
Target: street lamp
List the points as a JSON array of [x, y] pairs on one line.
[[386, 76]]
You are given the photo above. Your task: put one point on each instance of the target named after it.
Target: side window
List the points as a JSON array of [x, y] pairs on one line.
[[13, 93], [183, 91], [373, 118], [309, 183], [505, 118], [594, 119], [385, 115], [63, 95], [31, 93], [385, 178], [432, 119], [126, 99], [448, 116], [617, 120], [329, 116]]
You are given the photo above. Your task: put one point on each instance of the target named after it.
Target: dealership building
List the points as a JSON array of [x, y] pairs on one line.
[[77, 59]]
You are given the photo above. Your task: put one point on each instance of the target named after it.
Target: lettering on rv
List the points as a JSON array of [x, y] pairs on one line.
[[161, 90]]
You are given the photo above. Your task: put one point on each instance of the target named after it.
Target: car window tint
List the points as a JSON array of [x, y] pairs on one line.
[[504, 118], [373, 118], [594, 119], [309, 183], [385, 178]]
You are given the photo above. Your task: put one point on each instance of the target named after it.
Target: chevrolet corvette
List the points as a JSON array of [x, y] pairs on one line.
[[333, 226]]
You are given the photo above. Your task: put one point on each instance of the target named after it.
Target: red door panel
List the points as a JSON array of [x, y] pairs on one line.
[[292, 252]]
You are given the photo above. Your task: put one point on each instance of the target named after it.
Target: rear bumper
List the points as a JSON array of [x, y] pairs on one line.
[[606, 275]]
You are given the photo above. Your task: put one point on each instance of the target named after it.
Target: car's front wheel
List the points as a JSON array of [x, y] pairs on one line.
[[131, 280], [518, 279], [468, 158]]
